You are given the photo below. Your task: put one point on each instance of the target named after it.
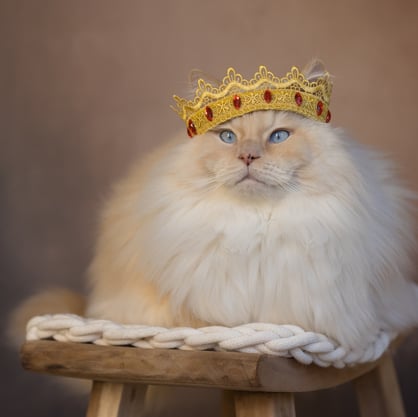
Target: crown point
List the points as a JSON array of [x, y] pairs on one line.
[[319, 108], [237, 101], [328, 118], [208, 113], [298, 99], [268, 96]]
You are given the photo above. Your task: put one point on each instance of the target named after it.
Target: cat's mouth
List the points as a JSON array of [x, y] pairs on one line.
[[249, 178]]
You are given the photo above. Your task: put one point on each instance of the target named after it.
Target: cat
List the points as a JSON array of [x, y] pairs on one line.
[[269, 217]]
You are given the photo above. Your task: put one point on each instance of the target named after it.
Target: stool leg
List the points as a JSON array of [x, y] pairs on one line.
[[227, 404], [263, 404], [108, 399], [378, 392]]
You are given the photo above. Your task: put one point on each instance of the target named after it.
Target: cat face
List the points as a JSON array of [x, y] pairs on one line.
[[261, 154]]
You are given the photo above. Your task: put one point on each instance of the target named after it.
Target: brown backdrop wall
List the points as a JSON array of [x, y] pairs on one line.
[[86, 86]]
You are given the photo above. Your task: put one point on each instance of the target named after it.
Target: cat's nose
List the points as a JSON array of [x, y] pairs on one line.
[[248, 158]]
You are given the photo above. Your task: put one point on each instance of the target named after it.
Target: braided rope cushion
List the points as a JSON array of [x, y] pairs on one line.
[[280, 340]]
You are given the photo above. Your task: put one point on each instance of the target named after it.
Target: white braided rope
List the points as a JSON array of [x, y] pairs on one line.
[[280, 340]]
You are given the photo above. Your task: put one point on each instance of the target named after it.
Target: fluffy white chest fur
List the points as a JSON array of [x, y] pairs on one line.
[[314, 231]]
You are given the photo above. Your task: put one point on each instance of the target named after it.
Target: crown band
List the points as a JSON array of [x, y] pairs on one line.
[[236, 96]]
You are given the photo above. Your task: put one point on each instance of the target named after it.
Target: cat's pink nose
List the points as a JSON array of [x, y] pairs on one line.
[[248, 158]]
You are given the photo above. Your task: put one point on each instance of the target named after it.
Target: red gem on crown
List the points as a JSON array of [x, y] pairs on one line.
[[237, 101], [208, 113], [319, 108], [298, 99], [191, 129], [268, 96], [328, 118]]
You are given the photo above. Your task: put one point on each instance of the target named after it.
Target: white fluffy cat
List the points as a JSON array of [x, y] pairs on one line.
[[270, 217]]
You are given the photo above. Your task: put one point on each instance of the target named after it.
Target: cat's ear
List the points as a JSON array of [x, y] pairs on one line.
[[196, 75], [314, 70]]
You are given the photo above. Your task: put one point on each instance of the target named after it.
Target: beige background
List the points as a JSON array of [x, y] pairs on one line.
[[86, 86]]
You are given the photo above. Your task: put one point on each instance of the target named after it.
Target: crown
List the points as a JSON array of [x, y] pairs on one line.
[[236, 96]]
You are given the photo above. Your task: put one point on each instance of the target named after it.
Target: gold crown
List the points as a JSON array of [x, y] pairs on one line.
[[236, 96]]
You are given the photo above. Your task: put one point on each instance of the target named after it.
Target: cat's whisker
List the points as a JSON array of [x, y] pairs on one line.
[[291, 186]]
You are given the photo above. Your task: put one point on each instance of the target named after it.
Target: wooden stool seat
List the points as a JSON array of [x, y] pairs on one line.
[[255, 384]]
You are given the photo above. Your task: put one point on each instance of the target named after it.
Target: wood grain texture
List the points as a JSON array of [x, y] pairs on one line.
[[378, 392], [262, 404], [109, 399], [226, 370], [104, 399]]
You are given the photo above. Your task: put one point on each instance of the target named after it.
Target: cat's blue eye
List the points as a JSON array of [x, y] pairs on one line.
[[228, 136], [279, 135]]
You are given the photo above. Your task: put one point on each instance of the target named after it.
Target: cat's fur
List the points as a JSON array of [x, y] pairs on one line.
[[320, 235]]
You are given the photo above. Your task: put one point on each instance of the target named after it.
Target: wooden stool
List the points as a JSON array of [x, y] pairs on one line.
[[254, 384]]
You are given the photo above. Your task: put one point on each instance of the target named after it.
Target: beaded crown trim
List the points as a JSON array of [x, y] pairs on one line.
[[236, 96]]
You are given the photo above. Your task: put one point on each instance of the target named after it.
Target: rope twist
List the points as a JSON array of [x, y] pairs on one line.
[[288, 341]]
